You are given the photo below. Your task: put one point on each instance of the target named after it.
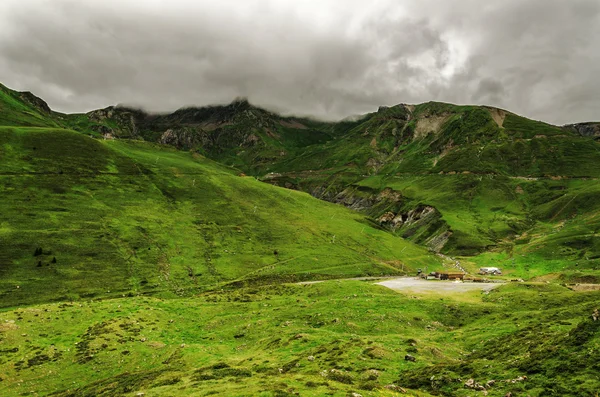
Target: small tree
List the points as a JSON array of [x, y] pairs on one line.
[[54, 260]]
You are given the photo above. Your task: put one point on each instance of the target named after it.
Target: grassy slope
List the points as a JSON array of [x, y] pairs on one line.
[[134, 218], [15, 111], [259, 341], [482, 212], [494, 186], [131, 217]]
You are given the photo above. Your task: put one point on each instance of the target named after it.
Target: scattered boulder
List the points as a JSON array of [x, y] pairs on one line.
[[595, 315], [515, 380], [408, 357], [471, 384], [395, 388]]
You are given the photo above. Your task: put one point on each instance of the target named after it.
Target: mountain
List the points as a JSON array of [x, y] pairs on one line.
[[24, 109], [145, 254], [86, 217], [464, 180], [471, 181], [237, 134]]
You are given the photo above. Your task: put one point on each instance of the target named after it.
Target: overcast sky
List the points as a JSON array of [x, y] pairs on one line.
[[325, 58]]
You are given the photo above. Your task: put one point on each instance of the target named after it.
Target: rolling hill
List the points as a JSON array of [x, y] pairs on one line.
[[89, 217], [156, 255], [471, 181]]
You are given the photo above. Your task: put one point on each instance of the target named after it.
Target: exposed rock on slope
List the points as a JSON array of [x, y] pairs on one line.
[[586, 129], [35, 101]]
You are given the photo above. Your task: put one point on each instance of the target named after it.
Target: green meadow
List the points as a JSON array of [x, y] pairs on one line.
[[113, 217], [327, 339], [162, 264]]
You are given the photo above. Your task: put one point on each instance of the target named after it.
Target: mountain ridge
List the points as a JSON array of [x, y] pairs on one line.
[[132, 267], [447, 150]]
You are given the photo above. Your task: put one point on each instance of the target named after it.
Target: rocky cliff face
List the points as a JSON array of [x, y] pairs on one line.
[[180, 138], [215, 130], [119, 122], [422, 224], [586, 129], [35, 101]]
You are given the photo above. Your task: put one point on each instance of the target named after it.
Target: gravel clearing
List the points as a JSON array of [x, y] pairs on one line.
[[414, 284]]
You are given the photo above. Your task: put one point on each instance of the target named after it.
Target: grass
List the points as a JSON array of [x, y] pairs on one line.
[[131, 217], [254, 341], [332, 338], [129, 267], [492, 186]]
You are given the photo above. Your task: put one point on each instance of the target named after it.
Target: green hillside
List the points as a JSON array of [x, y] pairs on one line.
[[334, 338], [23, 108], [114, 217], [144, 255], [492, 179]]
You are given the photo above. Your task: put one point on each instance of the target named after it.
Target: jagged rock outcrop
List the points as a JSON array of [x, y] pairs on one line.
[[355, 202], [179, 138], [35, 101], [437, 242], [586, 129], [422, 224], [118, 121]]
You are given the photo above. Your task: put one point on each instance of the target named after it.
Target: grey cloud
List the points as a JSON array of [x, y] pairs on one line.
[[489, 90], [328, 59]]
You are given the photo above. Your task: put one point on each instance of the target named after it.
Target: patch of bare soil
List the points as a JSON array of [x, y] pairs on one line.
[[498, 115], [585, 287], [431, 124]]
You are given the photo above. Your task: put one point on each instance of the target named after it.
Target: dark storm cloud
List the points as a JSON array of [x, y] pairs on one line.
[[329, 59]]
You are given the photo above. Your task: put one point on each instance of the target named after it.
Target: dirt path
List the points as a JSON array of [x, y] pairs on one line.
[[346, 279]]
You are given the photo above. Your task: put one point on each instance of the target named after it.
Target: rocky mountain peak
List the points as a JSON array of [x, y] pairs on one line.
[[35, 101]]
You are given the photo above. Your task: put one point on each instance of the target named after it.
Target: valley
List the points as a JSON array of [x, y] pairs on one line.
[[229, 250]]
